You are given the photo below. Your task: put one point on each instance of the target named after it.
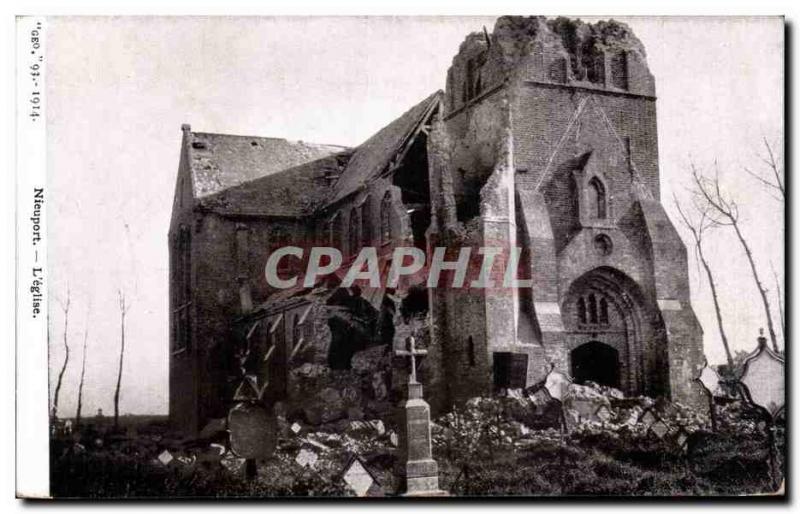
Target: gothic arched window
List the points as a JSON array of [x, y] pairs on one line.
[[581, 310], [592, 309], [366, 223], [386, 218], [603, 311], [353, 234], [597, 198]]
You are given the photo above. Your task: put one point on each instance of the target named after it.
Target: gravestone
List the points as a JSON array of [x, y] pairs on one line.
[[659, 428], [603, 413], [421, 471], [358, 477], [165, 458], [763, 379], [253, 431], [682, 439]]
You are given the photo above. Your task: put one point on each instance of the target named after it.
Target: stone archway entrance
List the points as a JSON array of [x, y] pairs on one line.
[[597, 362], [614, 334]]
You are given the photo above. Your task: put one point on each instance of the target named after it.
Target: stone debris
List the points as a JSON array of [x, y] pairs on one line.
[[232, 463], [306, 458], [378, 426], [214, 428], [316, 444]]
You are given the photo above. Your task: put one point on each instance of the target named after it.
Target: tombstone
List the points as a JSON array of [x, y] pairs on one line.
[[648, 417], [165, 458], [763, 384], [763, 379], [296, 427], [603, 413], [358, 477], [253, 431], [682, 439], [659, 428], [421, 471]]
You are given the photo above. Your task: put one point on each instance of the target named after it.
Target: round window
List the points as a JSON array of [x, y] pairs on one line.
[[602, 243]]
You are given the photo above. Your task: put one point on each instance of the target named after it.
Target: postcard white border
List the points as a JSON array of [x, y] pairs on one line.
[[32, 462]]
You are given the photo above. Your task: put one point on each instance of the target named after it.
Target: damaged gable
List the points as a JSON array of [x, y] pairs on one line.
[[373, 156], [221, 161]]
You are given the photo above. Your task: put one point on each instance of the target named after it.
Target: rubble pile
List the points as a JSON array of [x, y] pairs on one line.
[[524, 418]]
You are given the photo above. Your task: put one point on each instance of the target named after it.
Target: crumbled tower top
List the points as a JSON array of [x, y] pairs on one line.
[[605, 54]]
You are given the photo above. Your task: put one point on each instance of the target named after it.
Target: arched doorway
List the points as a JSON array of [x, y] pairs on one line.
[[605, 306], [597, 362]]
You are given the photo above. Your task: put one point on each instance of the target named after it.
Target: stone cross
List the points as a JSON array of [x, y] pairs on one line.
[[421, 474], [411, 352]]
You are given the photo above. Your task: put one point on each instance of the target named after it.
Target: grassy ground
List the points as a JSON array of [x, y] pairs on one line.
[[598, 464], [715, 466]]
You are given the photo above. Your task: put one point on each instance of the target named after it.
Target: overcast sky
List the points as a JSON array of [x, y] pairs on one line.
[[120, 88]]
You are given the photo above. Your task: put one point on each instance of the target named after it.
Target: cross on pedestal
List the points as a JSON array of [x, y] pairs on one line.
[[421, 473], [411, 352]]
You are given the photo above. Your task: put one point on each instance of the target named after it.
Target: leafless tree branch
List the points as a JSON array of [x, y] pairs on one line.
[[123, 309], [724, 211], [64, 307], [697, 227]]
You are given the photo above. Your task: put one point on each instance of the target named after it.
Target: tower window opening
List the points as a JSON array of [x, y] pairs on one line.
[[597, 198], [581, 310], [592, 309], [603, 311]]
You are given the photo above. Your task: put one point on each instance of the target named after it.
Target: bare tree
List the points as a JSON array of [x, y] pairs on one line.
[[780, 302], [773, 179], [123, 309], [698, 226], [65, 308], [83, 370], [725, 212]]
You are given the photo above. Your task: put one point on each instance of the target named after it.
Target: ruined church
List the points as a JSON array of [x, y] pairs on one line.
[[544, 139]]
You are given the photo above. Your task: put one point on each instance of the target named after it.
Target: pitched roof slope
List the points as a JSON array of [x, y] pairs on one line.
[[372, 156], [294, 192], [221, 161]]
